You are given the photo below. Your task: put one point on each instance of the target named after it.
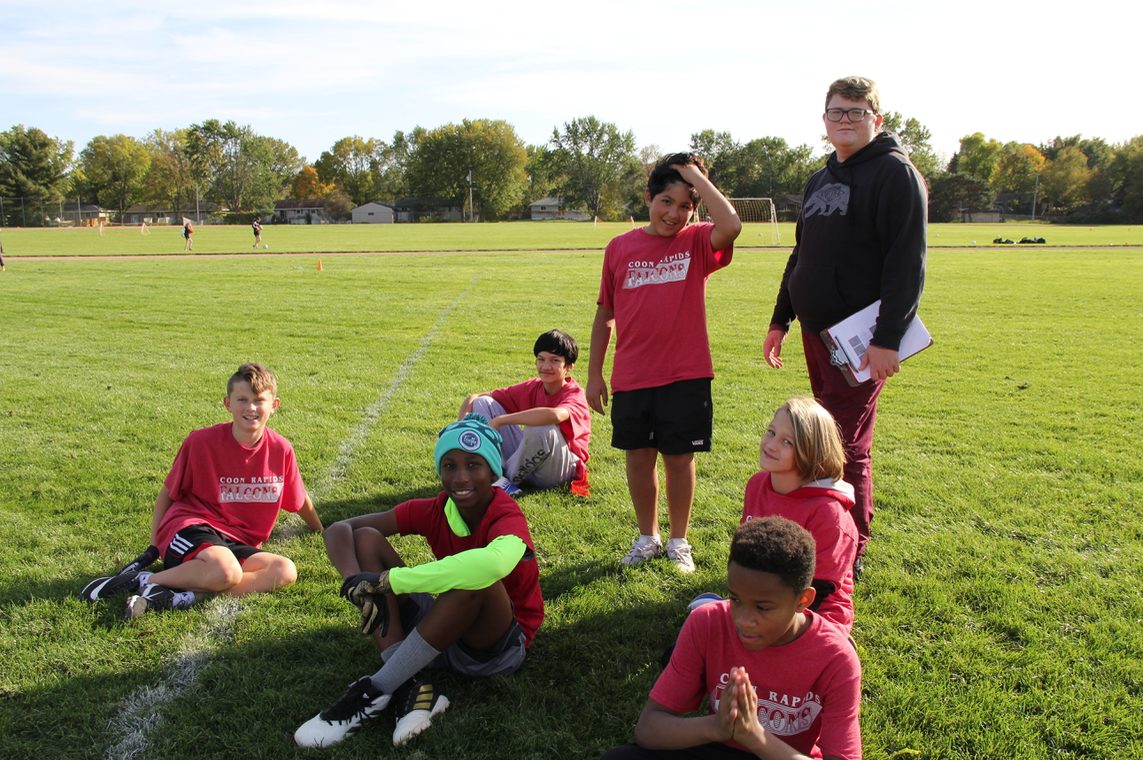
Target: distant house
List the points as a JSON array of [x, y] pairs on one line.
[[552, 208], [162, 213], [427, 210], [979, 217], [86, 214], [375, 212], [307, 211], [791, 202]]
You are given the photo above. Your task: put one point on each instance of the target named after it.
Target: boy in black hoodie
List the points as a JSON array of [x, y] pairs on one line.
[[861, 236]]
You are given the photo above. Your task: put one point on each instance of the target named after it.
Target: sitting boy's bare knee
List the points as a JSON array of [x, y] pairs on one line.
[[285, 572]]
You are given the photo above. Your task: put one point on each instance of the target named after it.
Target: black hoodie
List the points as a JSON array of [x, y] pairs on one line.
[[861, 236]]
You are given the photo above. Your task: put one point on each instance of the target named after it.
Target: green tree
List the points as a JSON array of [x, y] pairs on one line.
[[488, 151], [949, 193], [33, 166], [915, 137], [544, 173], [394, 180], [1066, 179], [169, 179], [1016, 172], [114, 171], [594, 156], [356, 164], [977, 156], [718, 150], [1126, 172], [240, 169]]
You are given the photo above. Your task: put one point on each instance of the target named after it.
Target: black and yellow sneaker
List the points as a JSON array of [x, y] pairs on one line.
[[416, 702]]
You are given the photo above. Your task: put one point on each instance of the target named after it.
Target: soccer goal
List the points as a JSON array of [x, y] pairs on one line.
[[758, 211]]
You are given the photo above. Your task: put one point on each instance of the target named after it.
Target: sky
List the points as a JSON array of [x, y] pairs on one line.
[[311, 73]]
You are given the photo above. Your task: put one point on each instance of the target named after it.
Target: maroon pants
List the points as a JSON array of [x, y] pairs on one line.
[[855, 409]]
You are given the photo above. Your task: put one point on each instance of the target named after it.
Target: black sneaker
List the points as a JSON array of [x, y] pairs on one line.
[[154, 597], [109, 586], [359, 703], [416, 703]]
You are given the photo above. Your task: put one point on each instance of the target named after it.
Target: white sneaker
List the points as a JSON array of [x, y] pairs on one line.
[[641, 550], [679, 552], [417, 702], [360, 703]]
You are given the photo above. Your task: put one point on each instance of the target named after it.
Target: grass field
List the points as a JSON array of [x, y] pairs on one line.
[[508, 236], [999, 617]]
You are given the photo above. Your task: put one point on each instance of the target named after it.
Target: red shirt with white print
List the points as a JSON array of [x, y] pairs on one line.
[[809, 691], [657, 288], [238, 491]]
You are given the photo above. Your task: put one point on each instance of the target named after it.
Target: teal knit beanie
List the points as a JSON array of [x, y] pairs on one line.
[[472, 434]]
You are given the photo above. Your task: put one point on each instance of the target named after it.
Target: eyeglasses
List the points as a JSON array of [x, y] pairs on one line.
[[855, 114]]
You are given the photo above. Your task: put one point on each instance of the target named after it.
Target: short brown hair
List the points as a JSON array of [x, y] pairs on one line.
[[856, 89], [818, 451], [663, 176], [260, 379]]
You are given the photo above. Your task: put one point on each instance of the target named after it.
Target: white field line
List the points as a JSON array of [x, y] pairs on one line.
[[292, 525], [142, 711]]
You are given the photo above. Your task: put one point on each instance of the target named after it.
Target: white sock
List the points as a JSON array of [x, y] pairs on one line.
[[645, 539], [676, 542]]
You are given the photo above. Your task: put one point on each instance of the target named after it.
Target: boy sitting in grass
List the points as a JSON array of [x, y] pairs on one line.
[[545, 422], [216, 507], [653, 294], [780, 681], [488, 603]]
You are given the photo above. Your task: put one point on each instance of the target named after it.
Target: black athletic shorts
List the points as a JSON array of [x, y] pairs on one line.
[[194, 538], [676, 418]]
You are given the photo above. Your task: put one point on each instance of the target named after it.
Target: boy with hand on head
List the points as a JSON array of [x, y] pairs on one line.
[[488, 603], [216, 507], [544, 422], [781, 682], [653, 294]]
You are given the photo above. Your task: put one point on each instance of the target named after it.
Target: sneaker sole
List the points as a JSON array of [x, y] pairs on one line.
[[136, 607], [417, 721]]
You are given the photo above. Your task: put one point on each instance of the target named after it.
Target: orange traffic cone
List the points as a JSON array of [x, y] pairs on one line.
[[319, 265]]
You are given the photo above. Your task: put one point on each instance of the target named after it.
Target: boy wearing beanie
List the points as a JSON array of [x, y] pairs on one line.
[[474, 610]]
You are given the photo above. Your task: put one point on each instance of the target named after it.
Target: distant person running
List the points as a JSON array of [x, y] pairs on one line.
[[256, 225], [188, 230], [1, 255]]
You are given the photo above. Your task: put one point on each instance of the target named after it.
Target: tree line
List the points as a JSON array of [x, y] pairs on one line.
[[590, 164]]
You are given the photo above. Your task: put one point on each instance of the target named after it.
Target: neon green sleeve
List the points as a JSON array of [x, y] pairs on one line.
[[472, 569]]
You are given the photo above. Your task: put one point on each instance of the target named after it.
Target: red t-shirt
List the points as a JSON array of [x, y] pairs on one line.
[[235, 490], [426, 517], [809, 691], [576, 429], [825, 513], [657, 288]]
